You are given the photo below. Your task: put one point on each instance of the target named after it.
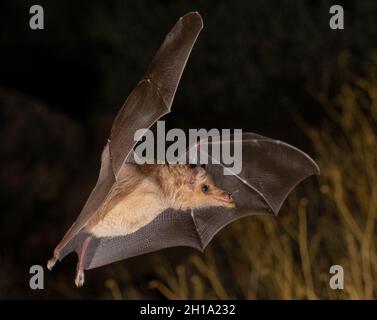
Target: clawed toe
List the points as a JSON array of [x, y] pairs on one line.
[[79, 281], [51, 263]]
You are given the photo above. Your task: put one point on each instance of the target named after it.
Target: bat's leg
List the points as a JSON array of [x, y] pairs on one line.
[[79, 280]]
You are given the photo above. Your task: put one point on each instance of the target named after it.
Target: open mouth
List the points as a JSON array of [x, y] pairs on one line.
[[228, 203]]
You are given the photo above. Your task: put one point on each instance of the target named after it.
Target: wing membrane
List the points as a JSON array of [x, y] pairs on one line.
[[269, 172], [150, 100]]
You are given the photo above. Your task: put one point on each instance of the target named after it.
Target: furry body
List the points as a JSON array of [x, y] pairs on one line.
[[144, 191]]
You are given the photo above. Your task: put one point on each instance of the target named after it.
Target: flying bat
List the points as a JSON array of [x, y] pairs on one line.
[[135, 208]]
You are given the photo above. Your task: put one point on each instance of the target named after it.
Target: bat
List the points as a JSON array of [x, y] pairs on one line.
[[135, 208]]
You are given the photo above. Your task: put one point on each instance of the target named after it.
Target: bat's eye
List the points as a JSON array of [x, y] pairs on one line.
[[205, 188]]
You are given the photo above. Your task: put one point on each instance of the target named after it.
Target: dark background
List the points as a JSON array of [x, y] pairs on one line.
[[254, 67]]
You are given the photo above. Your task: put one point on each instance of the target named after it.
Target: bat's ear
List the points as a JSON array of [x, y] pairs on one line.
[[200, 172], [196, 174]]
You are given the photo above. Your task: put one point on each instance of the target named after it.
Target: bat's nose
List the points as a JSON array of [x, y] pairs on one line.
[[226, 195], [226, 199], [229, 200]]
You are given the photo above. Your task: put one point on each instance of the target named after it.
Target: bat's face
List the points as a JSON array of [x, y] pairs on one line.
[[200, 191]]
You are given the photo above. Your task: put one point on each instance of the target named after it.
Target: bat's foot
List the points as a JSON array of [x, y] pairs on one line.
[[79, 281], [80, 278], [51, 263]]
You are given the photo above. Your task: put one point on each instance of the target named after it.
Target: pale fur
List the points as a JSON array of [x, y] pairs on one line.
[[142, 192]]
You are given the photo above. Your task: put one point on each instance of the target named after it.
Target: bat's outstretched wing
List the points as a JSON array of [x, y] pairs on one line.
[[270, 170], [151, 99], [153, 96]]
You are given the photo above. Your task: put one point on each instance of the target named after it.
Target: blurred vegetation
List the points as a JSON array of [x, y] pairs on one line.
[[274, 68]]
